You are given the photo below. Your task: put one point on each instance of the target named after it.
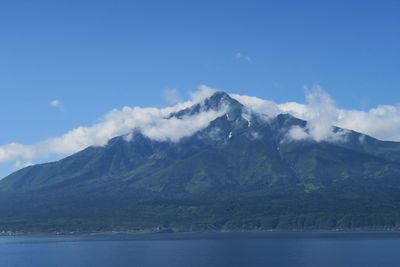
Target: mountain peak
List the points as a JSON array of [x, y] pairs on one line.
[[220, 98], [216, 101]]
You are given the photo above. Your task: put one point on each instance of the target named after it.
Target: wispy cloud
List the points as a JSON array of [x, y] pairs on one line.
[[241, 56], [56, 104], [172, 96], [21, 164], [321, 115], [202, 93]]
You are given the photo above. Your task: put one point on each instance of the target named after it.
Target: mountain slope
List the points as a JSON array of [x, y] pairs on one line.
[[240, 172]]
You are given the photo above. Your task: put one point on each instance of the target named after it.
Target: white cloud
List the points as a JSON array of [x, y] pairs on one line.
[[56, 104], [321, 115], [382, 122], [258, 105], [21, 164], [319, 112], [296, 109], [244, 57], [201, 94], [152, 122], [172, 96], [298, 133]]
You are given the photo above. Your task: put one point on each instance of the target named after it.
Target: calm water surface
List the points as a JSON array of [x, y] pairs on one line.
[[204, 249]]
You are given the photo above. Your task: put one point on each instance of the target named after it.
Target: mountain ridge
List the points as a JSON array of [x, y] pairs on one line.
[[241, 168]]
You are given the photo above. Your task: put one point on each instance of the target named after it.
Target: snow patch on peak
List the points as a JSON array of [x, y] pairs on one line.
[[128, 137], [247, 118], [255, 135]]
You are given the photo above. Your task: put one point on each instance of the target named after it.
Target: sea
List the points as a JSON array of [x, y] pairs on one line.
[[319, 249]]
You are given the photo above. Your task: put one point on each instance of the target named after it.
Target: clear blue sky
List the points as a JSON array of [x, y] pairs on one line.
[[94, 56]]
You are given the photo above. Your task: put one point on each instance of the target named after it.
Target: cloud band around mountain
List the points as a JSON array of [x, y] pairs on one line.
[[382, 122]]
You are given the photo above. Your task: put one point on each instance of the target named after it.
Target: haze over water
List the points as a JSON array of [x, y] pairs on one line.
[[204, 249]]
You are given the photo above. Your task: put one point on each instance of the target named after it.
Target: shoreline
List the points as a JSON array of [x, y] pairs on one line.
[[148, 232]]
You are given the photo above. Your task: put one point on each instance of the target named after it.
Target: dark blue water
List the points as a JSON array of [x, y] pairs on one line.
[[204, 249]]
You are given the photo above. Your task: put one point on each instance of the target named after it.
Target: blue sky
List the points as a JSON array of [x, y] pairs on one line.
[[94, 56]]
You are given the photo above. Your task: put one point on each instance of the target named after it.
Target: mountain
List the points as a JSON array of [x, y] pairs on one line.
[[241, 172]]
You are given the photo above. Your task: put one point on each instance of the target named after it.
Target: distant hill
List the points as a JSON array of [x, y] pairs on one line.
[[241, 172]]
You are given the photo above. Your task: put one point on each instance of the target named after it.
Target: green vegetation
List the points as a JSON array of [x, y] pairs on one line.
[[228, 177]]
